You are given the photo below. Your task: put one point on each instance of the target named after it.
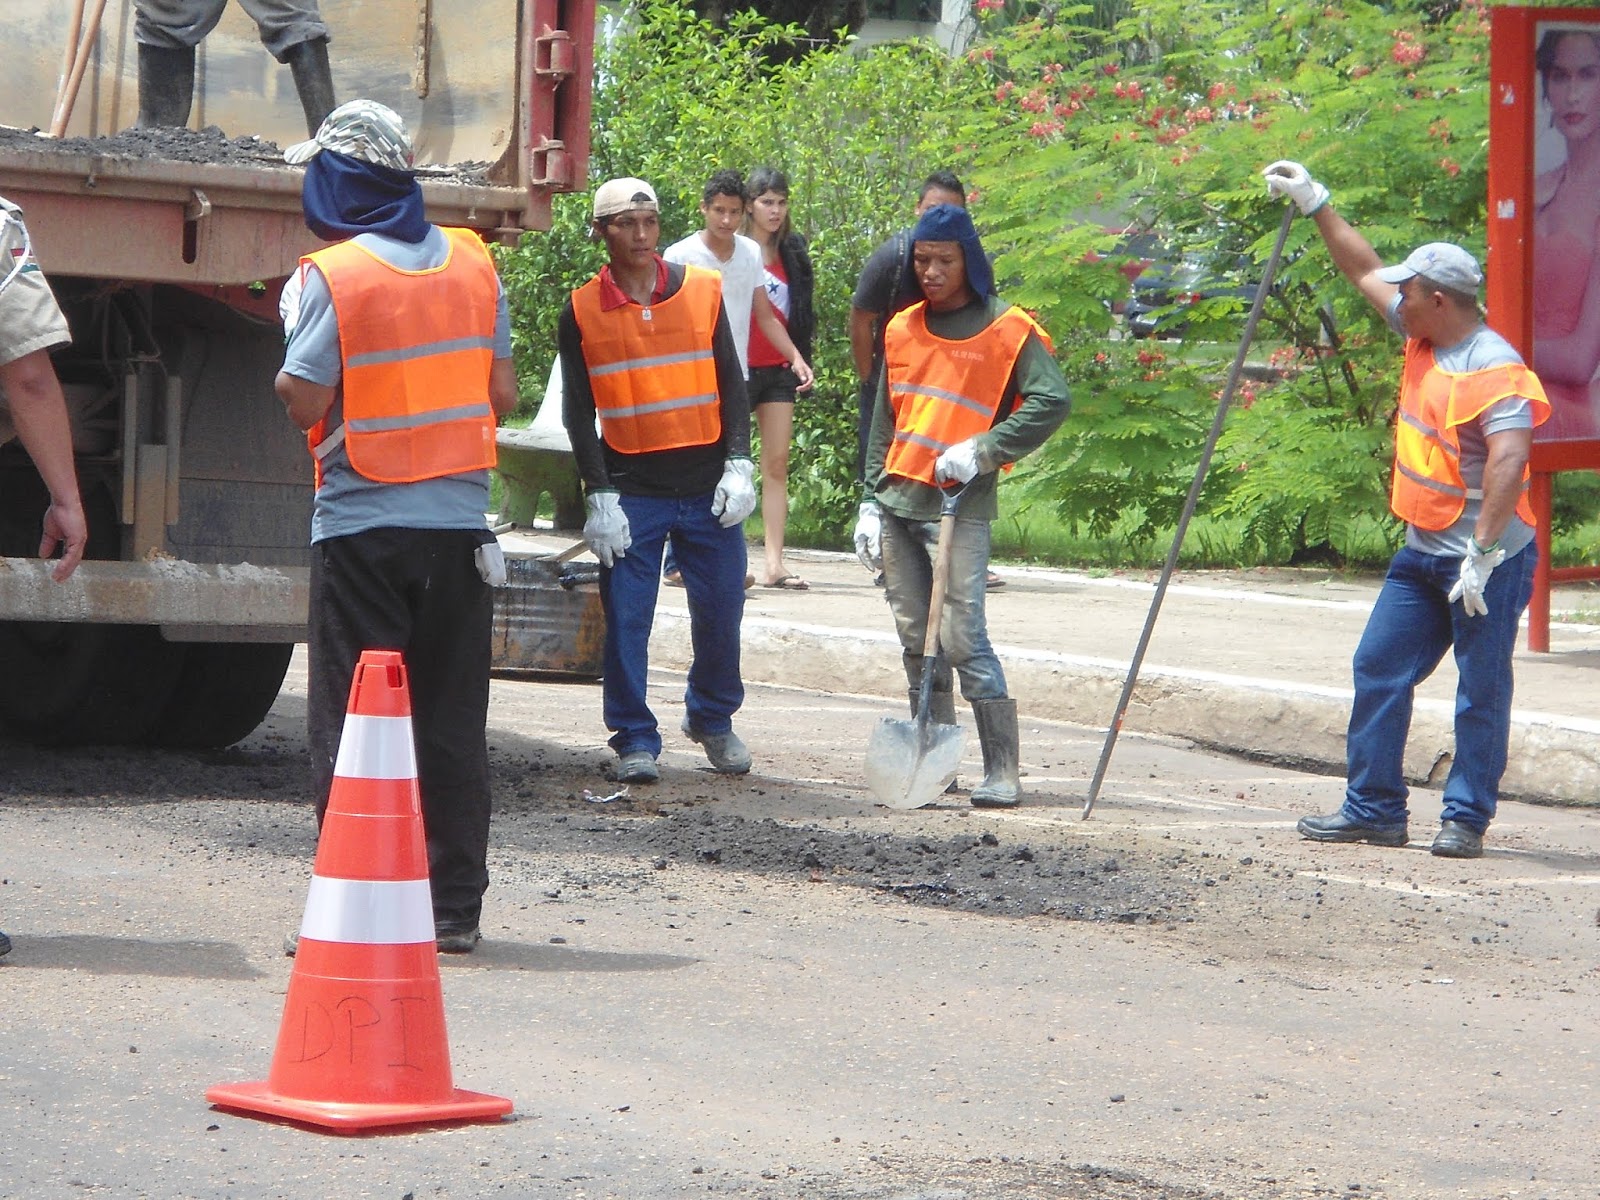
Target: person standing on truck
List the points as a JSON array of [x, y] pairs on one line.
[[647, 346], [397, 367], [1468, 408], [167, 32], [31, 325], [969, 384]]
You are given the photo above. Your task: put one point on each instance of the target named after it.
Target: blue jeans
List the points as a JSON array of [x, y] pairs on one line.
[[712, 560], [1412, 624], [908, 548]]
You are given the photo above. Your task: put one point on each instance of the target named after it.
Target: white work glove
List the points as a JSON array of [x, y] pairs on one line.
[[1476, 567], [1285, 178], [606, 530], [959, 463], [869, 536], [735, 497]]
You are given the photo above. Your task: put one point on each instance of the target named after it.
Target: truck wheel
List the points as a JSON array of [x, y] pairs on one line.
[[222, 694], [84, 685], [70, 684]]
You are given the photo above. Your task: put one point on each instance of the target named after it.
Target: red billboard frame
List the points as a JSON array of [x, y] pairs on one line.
[[1514, 91]]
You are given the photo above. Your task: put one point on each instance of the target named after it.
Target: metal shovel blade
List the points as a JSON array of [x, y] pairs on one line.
[[910, 763]]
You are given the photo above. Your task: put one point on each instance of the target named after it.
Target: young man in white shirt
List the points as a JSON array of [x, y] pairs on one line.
[[721, 248]]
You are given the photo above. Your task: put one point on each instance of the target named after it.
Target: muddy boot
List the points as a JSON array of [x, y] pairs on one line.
[[313, 79], [941, 706], [166, 85], [941, 711], [997, 732]]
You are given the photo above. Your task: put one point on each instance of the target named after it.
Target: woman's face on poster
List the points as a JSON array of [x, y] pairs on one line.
[[1572, 86]]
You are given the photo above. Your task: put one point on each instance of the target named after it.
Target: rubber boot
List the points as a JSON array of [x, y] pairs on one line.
[[313, 79], [166, 85], [941, 711], [997, 733], [941, 706]]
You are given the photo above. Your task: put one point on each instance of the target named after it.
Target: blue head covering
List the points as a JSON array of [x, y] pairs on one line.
[[343, 196], [950, 223]]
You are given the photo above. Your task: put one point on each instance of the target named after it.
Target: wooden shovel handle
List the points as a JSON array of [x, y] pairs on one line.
[[941, 575]]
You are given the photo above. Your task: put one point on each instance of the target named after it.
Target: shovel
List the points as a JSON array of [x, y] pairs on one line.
[[910, 763]]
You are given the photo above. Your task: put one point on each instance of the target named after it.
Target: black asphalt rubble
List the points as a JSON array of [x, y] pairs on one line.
[[1252, 662]]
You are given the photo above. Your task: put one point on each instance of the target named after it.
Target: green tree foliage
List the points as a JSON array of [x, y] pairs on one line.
[[1163, 121], [676, 99], [1072, 124]]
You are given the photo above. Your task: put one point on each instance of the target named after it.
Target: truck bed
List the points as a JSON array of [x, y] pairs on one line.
[[196, 206]]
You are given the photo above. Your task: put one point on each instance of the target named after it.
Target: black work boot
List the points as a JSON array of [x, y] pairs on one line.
[[941, 711], [313, 79], [997, 733], [166, 85], [941, 705]]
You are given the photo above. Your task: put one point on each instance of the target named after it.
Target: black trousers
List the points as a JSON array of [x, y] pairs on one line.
[[417, 591]]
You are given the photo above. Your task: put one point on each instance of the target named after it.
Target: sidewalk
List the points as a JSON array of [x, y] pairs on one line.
[[1251, 662]]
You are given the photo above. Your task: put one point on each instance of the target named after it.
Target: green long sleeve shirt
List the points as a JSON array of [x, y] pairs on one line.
[[1046, 402]]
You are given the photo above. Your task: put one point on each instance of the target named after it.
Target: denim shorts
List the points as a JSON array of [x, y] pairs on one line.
[[772, 385]]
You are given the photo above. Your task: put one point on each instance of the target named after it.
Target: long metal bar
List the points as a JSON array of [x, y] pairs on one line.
[[1188, 509]]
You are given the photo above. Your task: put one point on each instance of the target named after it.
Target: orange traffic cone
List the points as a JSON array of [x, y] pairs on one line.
[[363, 1042]]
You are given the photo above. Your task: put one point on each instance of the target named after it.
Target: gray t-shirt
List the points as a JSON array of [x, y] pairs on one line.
[[348, 502], [1481, 349], [742, 273]]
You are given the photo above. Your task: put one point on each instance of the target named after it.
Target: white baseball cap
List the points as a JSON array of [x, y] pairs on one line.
[[623, 195]]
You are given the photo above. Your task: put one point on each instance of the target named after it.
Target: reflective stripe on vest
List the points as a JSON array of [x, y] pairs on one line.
[[417, 350], [943, 391], [1428, 490], [651, 368]]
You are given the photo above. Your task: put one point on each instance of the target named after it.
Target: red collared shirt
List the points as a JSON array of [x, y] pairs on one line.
[[612, 296]]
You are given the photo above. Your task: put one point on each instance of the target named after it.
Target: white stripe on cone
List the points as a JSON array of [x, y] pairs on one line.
[[368, 912], [376, 748]]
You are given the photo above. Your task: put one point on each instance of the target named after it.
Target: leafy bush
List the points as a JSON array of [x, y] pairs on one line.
[[1071, 124], [676, 99]]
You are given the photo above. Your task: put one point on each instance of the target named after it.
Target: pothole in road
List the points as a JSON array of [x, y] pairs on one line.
[[984, 872]]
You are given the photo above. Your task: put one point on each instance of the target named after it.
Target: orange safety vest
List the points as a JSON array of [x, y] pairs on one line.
[[943, 392], [651, 367], [417, 349], [1428, 490]]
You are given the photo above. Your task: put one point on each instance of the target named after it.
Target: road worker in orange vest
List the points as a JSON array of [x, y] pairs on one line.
[[398, 366], [646, 347], [969, 386], [1468, 408]]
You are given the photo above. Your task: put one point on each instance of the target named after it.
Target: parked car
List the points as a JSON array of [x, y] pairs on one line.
[[1170, 284], [1134, 252]]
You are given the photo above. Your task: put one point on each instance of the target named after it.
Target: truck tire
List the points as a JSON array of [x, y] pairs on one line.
[[83, 684], [71, 684], [223, 692]]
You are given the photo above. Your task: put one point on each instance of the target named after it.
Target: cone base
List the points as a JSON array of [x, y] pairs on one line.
[[259, 1099]]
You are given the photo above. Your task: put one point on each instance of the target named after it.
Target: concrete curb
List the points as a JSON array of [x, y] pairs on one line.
[[1553, 759]]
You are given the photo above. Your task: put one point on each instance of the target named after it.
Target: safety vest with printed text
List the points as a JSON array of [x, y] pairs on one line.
[[651, 367], [417, 349], [1428, 490], [942, 391]]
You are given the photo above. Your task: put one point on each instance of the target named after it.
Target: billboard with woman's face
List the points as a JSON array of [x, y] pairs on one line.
[[1565, 295], [1544, 214]]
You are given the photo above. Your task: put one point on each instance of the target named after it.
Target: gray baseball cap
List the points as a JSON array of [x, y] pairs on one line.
[[362, 129], [1446, 264]]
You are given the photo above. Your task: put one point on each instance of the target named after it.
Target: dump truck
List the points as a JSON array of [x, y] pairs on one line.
[[168, 249]]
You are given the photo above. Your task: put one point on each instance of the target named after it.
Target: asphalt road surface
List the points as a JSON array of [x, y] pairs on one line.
[[768, 987]]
